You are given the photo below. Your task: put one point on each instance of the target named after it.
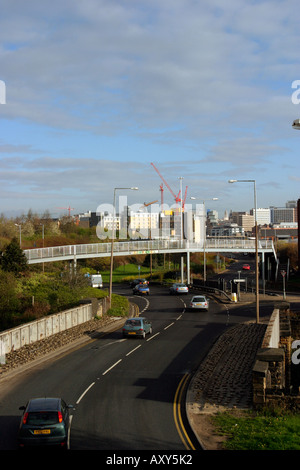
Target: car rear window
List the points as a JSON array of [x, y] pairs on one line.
[[39, 418], [199, 299], [133, 322]]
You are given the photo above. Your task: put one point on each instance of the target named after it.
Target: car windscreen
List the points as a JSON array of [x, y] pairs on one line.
[[133, 323], [39, 418]]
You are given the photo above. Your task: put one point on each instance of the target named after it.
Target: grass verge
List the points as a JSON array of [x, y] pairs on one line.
[[265, 430]]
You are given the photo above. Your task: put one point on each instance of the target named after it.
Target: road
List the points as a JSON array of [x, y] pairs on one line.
[[126, 392]]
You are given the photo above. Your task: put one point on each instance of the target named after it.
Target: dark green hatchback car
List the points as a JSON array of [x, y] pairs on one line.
[[45, 422]]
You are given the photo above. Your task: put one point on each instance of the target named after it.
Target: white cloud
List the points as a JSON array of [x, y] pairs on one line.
[[206, 83]]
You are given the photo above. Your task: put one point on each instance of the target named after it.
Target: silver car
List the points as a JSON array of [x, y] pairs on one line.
[[199, 302], [179, 288]]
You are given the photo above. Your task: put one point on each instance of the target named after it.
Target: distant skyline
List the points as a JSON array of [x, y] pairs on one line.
[[97, 90]]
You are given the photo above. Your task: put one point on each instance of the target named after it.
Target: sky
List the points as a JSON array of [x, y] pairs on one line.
[[93, 92]]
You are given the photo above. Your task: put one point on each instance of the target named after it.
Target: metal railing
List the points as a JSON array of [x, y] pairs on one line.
[[65, 252]]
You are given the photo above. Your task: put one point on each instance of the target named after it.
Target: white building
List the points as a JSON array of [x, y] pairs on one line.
[[263, 216], [144, 224]]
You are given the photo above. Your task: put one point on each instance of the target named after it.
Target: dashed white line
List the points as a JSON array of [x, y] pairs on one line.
[[166, 327], [114, 365], [133, 350], [153, 336], [130, 352], [81, 396]]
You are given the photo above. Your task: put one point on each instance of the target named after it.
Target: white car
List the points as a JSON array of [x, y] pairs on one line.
[[199, 302]]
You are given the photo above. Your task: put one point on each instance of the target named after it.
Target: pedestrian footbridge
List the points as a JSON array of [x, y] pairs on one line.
[[141, 247]]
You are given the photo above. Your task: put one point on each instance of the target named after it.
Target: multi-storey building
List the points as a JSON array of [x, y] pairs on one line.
[[263, 216], [244, 220], [283, 214]]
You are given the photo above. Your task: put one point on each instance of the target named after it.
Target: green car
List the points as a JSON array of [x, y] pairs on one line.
[[45, 422], [139, 326]]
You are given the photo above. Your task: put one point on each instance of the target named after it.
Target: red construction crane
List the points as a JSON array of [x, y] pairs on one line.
[[68, 208], [184, 198], [146, 204], [177, 198]]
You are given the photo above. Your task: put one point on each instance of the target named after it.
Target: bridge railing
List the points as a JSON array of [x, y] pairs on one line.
[[56, 253]]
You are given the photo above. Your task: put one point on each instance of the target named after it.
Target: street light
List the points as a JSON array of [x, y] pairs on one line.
[[204, 237], [112, 240], [296, 125], [181, 227], [256, 245]]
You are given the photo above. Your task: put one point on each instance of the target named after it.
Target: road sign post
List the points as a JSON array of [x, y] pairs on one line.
[[283, 273]]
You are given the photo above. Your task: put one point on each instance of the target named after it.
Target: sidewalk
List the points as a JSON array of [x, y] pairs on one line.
[[224, 380]]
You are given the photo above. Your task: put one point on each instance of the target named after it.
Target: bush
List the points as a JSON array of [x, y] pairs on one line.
[[13, 258], [9, 300]]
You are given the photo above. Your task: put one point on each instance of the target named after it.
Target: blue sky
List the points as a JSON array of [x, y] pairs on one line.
[[97, 90]]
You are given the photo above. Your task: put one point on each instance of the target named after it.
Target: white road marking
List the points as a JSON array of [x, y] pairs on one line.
[[114, 365], [151, 337], [81, 396], [166, 327], [133, 350]]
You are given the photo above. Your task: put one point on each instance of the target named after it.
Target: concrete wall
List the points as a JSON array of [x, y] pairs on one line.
[[272, 335], [15, 338]]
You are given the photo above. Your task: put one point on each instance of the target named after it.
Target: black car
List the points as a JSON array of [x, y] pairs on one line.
[[45, 422], [135, 282]]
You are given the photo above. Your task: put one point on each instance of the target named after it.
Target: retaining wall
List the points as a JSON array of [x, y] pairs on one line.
[[28, 333], [271, 375]]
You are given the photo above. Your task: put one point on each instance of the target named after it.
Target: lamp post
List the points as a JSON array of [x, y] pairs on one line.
[[256, 245], [181, 227], [296, 125], [112, 240], [204, 237]]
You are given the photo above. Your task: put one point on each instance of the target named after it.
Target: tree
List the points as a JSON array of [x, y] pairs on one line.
[[9, 302], [13, 259]]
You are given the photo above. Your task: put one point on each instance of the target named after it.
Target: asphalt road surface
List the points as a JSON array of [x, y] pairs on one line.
[[125, 391]]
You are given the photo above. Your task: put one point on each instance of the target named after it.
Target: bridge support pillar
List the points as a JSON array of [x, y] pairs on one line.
[[188, 273]]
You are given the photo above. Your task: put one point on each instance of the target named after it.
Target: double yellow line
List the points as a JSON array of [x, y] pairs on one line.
[[177, 413]]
